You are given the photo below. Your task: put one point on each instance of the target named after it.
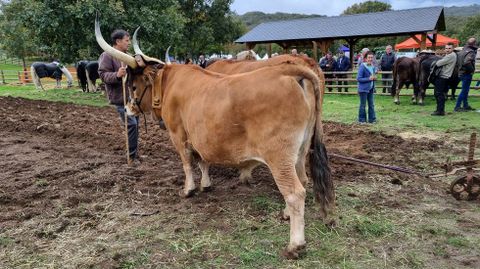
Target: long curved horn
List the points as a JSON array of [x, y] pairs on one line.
[[137, 49], [167, 57], [121, 56]]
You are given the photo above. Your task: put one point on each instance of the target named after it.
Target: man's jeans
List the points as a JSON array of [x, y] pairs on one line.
[[132, 125], [441, 88], [362, 114], [463, 96]]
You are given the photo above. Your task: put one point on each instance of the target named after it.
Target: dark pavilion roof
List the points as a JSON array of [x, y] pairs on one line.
[[387, 23]]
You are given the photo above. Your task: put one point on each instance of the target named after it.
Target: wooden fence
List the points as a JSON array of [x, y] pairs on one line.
[[24, 78], [335, 82]]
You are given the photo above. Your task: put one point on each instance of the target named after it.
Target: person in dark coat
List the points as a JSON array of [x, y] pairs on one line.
[[201, 61], [465, 73], [343, 65], [386, 64], [328, 64]]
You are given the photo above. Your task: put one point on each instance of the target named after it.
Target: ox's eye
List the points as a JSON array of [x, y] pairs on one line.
[[134, 88]]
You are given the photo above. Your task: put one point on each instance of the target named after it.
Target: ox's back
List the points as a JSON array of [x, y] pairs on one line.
[[234, 66]]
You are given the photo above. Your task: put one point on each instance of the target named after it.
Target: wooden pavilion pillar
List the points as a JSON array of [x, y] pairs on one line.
[[269, 50], [433, 39], [423, 44], [315, 51], [249, 46], [351, 46]]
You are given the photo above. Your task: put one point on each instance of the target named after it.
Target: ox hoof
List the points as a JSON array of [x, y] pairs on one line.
[[186, 194], [206, 189], [295, 253], [421, 104], [397, 102]]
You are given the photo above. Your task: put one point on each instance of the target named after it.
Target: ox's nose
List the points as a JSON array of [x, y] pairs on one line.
[[130, 109]]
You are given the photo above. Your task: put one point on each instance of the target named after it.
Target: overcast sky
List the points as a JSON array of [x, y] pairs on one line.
[[332, 7]]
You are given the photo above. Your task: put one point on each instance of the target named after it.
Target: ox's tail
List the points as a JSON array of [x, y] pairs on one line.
[[323, 187], [394, 83], [319, 168]]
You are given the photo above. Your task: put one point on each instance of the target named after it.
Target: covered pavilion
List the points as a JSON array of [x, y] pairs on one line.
[[319, 33]]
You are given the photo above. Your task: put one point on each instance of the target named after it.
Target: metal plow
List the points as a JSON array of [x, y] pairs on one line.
[[466, 187]]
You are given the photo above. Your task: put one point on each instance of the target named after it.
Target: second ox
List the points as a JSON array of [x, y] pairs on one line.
[[242, 66], [265, 116]]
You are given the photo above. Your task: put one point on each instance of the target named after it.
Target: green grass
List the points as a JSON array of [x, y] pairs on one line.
[[344, 108], [7, 66], [73, 95]]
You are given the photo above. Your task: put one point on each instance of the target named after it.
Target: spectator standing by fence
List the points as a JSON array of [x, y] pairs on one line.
[[343, 65], [367, 74], [363, 52], [466, 69], [328, 64], [441, 82], [386, 65]]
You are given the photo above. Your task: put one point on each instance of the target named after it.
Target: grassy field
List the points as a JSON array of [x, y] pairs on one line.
[[377, 228], [73, 95], [395, 118], [6, 66]]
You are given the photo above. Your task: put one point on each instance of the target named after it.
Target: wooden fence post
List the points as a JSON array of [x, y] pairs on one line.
[[3, 76]]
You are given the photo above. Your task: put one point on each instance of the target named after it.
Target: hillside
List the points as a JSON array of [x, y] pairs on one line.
[[463, 11], [254, 18]]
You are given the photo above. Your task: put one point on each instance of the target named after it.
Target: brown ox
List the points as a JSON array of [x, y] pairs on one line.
[[405, 72], [265, 116]]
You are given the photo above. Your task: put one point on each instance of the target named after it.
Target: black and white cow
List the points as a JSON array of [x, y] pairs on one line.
[[87, 74], [52, 70]]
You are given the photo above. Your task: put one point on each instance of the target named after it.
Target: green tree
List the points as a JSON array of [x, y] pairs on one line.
[[367, 7], [15, 34], [64, 30], [210, 26], [471, 29]]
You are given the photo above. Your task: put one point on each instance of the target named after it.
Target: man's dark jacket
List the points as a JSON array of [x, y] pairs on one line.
[[386, 63], [107, 70]]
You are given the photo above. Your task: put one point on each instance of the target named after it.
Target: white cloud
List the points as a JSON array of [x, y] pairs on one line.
[[332, 7]]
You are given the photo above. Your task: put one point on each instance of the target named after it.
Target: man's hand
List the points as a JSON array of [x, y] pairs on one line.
[[121, 72]]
